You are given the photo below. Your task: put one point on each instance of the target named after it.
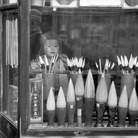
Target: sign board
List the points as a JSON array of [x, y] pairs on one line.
[[100, 3], [64, 3], [12, 1], [8, 1]]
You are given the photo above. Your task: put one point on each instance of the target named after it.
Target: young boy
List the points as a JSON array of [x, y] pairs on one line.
[[51, 48]]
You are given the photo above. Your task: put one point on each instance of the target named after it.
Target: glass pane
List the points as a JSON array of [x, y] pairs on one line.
[[68, 41], [10, 66]]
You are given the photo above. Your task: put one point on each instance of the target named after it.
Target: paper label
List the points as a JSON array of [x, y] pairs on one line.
[[97, 105], [79, 112], [78, 98], [71, 106]]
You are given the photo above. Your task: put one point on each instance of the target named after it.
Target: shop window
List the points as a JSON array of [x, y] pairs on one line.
[[88, 34]]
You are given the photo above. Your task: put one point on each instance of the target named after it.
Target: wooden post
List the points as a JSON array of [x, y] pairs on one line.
[[24, 52]]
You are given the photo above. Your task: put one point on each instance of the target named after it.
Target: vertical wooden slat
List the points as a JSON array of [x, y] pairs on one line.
[[5, 67], [24, 51], [1, 88]]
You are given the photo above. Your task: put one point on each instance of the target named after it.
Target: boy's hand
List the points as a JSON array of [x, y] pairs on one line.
[[34, 66], [63, 57]]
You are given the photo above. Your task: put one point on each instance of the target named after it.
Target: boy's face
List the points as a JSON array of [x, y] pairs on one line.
[[51, 47]]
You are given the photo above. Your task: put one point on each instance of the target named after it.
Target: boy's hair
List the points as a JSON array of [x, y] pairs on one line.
[[51, 35]]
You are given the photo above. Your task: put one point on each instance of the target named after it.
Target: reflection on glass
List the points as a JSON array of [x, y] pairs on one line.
[[98, 36]]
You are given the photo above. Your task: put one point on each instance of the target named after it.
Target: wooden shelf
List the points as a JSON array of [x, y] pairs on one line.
[[87, 131], [8, 6]]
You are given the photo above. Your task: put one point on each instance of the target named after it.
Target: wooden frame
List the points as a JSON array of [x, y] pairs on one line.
[[23, 130], [24, 44]]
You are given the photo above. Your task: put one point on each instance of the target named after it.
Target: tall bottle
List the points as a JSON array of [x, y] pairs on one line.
[[36, 101]]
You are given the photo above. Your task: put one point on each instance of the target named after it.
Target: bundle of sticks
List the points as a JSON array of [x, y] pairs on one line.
[[76, 64], [127, 66], [44, 64], [12, 40], [106, 68]]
